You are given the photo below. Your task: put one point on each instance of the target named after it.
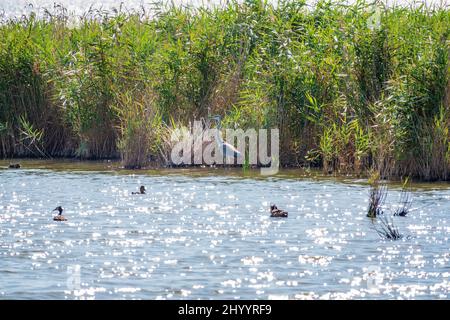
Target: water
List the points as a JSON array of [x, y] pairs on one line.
[[207, 234], [17, 8]]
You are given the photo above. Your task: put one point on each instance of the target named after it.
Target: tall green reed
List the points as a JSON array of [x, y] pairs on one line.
[[347, 96]]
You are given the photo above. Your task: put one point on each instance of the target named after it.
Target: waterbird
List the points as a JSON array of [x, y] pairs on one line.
[[277, 213], [59, 217], [141, 190], [228, 150], [14, 166], [401, 212]]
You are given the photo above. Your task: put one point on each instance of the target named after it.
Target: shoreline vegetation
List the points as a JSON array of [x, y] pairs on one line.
[[351, 88]]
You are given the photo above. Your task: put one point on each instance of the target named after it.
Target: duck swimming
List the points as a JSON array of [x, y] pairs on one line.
[[14, 166], [278, 213], [59, 217], [401, 212], [141, 190]]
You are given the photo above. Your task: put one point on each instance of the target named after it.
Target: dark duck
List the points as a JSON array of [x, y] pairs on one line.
[[277, 213], [14, 166], [141, 190], [402, 212], [59, 217]]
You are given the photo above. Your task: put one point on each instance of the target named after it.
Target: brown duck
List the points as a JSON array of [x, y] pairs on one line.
[[141, 190], [277, 213], [59, 217]]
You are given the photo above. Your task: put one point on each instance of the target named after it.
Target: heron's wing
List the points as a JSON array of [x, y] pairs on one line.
[[230, 151]]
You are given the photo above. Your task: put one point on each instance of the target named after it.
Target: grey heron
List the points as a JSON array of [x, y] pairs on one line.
[[227, 150]]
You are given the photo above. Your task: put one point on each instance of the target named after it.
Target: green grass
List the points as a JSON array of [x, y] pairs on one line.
[[347, 97]]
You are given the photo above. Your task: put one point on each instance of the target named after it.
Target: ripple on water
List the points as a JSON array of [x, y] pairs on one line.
[[211, 237]]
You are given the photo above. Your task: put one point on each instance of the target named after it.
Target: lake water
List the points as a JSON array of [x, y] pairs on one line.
[[206, 233], [18, 8]]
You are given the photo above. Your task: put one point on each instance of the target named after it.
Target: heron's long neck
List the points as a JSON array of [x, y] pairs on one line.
[[218, 137]]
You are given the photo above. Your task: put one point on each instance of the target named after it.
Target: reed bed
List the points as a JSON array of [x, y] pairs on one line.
[[350, 87]]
